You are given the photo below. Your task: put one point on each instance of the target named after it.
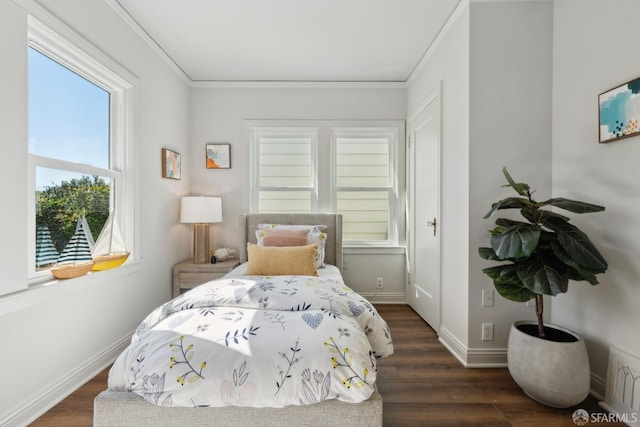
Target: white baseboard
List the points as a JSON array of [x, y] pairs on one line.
[[487, 358], [385, 297], [453, 344], [598, 386], [473, 357], [40, 403]]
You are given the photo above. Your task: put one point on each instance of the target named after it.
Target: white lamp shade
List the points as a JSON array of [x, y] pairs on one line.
[[201, 209]]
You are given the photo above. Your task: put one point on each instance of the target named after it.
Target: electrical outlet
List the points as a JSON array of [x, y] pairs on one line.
[[530, 303], [487, 332], [487, 297], [379, 283]]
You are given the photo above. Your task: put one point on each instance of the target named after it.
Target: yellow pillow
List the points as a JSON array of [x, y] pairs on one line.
[[281, 260]]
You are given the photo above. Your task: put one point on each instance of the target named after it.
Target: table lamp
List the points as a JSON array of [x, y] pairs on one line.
[[200, 211]]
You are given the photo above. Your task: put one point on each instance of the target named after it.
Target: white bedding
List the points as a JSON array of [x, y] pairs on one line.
[[257, 341]]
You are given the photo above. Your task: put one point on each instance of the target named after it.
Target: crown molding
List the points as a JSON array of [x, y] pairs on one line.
[[509, 1], [462, 5], [296, 84], [148, 39]]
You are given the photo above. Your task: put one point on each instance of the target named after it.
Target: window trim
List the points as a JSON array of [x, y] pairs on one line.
[[80, 57], [325, 164], [392, 133], [258, 132]]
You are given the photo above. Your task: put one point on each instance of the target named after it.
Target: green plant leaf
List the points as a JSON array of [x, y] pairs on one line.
[[543, 279], [509, 203], [488, 253], [497, 230], [506, 281], [576, 244], [572, 205], [583, 275], [513, 292], [517, 241], [505, 273], [494, 272], [504, 222], [577, 272], [520, 187], [535, 216]]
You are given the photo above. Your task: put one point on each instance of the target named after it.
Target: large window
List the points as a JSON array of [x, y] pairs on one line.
[[285, 179], [320, 166], [364, 189], [77, 148]]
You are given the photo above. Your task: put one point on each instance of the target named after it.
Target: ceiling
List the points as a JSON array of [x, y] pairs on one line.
[[292, 40]]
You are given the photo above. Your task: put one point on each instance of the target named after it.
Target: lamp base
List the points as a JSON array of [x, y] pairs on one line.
[[201, 244]]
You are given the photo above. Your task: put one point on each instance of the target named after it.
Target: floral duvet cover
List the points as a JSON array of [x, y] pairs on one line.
[[258, 342]]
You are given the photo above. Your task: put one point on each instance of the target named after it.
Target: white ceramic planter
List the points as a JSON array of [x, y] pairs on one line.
[[556, 374]]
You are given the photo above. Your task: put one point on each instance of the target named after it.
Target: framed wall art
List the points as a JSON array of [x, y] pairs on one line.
[[218, 156], [171, 166], [619, 112]]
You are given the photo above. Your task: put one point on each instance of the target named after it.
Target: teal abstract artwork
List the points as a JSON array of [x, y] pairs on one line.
[[619, 112]]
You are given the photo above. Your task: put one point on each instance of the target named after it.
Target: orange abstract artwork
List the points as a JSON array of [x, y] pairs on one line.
[[171, 164], [218, 156]]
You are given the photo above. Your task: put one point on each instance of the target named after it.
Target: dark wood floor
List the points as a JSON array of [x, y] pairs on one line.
[[422, 384]]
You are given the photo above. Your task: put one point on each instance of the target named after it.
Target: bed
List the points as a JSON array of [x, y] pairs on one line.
[[284, 349]]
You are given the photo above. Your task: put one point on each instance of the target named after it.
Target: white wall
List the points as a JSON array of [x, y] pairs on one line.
[[448, 64], [55, 337], [218, 115], [592, 54], [510, 125]]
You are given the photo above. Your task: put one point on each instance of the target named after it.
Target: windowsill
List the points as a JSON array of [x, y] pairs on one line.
[[374, 250], [45, 290]]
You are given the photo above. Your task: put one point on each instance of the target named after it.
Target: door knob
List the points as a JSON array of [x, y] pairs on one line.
[[432, 223]]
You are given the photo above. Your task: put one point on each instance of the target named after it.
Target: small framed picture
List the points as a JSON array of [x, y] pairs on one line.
[[218, 156], [619, 112], [171, 166]]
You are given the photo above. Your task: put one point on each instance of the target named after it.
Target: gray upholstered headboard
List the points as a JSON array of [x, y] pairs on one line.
[[333, 248]]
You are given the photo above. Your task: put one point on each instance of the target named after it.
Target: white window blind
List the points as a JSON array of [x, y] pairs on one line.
[[285, 161], [363, 183]]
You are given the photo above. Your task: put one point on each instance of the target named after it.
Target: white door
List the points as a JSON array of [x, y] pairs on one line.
[[423, 289]]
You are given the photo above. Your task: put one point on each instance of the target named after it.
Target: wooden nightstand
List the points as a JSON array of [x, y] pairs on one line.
[[187, 275]]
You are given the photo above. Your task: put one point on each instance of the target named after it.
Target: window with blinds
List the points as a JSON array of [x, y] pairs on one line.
[[322, 167], [363, 183], [286, 172]]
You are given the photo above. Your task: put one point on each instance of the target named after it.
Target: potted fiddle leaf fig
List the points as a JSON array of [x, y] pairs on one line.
[[540, 255]]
